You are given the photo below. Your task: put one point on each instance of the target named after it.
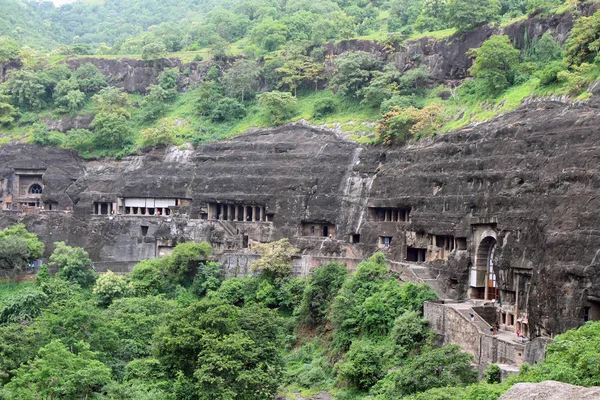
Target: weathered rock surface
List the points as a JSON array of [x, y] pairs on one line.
[[550, 390], [69, 122], [529, 178]]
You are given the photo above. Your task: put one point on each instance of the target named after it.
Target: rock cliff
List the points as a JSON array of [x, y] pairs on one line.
[[504, 209]]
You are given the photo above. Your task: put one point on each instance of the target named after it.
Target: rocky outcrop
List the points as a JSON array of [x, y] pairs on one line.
[[550, 390], [67, 123], [134, 76], [5, 69]]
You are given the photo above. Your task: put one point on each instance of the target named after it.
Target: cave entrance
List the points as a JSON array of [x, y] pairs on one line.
[[591, 311], [415, 254], [484, 280]]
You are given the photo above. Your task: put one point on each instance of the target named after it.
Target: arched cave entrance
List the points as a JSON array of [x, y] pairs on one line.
[[485, 285], [36, 188]]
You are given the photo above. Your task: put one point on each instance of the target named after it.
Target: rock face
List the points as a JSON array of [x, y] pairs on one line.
[[506, 209], [550, 390], [67, 123]]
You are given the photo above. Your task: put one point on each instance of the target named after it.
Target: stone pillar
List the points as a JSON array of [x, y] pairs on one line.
[[245, 213], [235, 213]]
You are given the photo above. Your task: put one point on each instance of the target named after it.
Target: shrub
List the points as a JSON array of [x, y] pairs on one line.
[[324, 106], [577, 80], [496, 63], [275, 258], [492, 374], [549, 74], [362, 366], [23, 306], [409, 334], [465, 15], [401, 102], [228, 109], [154, 51], [73, 264], [278, 106], [354, 72], [208, 278], [400, 124], [446, 366], [231, 290], [184, 260], [110, 286], [584, 40], [88, 78], [160, 136], [322, 286]]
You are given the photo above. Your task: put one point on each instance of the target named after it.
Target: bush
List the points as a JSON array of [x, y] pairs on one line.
[[584, 40], [208, 278], [88, 78], [160, 136], [42, 136], [110, 286], [275, 258], [232, 291], [446, 366], [400, 124], [278, 106], [362, 366], [228, 109], [154, 51], [23, 306], [354, 72], [183, 262], [549, 74], [496, 63], [492, 374], [148, 278], [577, 80], [401, 102], [73, 264], [322, 286], [409, 335], [324, 106]]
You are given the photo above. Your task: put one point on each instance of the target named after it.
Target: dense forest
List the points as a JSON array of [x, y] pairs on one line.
[[176, 328], [267, 63]]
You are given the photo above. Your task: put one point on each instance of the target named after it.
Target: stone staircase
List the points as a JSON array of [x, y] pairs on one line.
[[465, 310], [423, 275]]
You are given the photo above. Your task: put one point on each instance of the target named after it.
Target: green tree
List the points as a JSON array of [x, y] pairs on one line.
[[58, 372], [73, 264], [208, 278], [88, 78], [9, 49], [409, 334], [465, 15], [155, 102], [241, 79], [322, 286], [111, 100], [154, 51], [362, 366], [446, 366], [269, 35], [583, 43], [18, 248], [68, 97], [278, 106], [354, 72], [492, 374], [495, 63], [23, 306], [228, 109], [111, 131], [110, 286], [160, 136], [275, 258], [7, 111], [27, 89], [184, 260]]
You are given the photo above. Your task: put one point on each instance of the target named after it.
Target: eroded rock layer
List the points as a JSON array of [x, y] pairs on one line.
[[504, 210]]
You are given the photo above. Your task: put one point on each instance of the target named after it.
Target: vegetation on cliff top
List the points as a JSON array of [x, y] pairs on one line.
[[281, 71]]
